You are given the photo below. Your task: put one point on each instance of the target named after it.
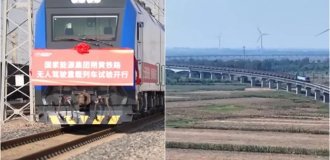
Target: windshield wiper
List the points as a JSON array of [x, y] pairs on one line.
[[79, 40], [83, 40], [96, 40]]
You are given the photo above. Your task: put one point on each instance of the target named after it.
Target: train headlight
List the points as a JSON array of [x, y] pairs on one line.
[[93, 1]]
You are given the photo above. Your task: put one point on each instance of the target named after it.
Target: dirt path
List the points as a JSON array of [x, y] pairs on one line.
[[257, 89], [184, 154], [274, 121], [211, 92], [308, 141], [237, 101], [321, 124]]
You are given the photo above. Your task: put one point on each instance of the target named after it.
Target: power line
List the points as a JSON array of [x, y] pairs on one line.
[[156, 4]]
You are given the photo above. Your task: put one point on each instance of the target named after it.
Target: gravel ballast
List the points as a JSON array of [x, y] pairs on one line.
[[147, 143], [19, 127]]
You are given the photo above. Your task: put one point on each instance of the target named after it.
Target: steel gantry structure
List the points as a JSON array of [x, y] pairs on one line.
[[16, 46]]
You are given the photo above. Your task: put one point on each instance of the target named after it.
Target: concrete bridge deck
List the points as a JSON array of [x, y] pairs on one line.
[[265, 79]]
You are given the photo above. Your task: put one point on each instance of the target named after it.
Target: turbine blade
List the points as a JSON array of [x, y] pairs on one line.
[[322, 32], [259, 30]]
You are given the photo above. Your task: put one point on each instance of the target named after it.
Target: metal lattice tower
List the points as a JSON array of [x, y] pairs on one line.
[[16, 46]]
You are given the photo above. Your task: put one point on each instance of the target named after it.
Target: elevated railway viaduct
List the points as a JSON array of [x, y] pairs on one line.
[[271, 80]]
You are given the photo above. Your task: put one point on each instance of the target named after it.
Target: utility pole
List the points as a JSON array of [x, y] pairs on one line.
[[244, 52], [219, 39]]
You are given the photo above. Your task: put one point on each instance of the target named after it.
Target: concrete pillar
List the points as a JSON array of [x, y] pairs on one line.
[[231, 77], [288, 87], [317, 95], [298, 89], [242, 79], [222, 76], [253, 81], [308, 91], [189, 76], [201, 76], [325, 97], [263, 83], [270, 84], [278, 85]]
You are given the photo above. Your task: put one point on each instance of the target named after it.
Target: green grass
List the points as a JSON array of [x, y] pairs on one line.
[[266, 94], [211, 87], [180, 123], [230, 108], [294, 101], [253, 94], [247, 148], [324, 109], [274, 94]]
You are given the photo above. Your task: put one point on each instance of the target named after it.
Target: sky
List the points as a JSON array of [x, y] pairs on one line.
[[291, 24]]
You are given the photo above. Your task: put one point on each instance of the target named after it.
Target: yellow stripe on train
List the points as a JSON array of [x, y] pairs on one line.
[[69, 120], [83, 118], [114, 119], [54, 119], [98, 120]]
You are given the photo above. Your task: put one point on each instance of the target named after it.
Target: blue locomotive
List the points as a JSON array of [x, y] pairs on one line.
[[102, 24]]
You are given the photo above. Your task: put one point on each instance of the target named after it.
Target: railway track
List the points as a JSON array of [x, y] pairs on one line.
[[50, 144]]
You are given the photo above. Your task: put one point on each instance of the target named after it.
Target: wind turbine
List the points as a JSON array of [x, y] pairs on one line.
[[261, 35], [327, 30], [219, 39]]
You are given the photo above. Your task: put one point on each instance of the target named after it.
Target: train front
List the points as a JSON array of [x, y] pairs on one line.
[[83, 62]]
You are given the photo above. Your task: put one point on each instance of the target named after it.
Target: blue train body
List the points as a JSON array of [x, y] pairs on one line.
[[123, 102]]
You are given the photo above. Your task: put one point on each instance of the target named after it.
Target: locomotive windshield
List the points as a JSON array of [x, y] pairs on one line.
[[90, 27]]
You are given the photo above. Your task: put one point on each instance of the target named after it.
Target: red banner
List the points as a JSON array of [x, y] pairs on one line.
[[150, 73], [66, 67]]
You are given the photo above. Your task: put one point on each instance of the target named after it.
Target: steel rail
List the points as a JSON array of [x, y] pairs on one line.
[[70, 145], [29, 139]]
